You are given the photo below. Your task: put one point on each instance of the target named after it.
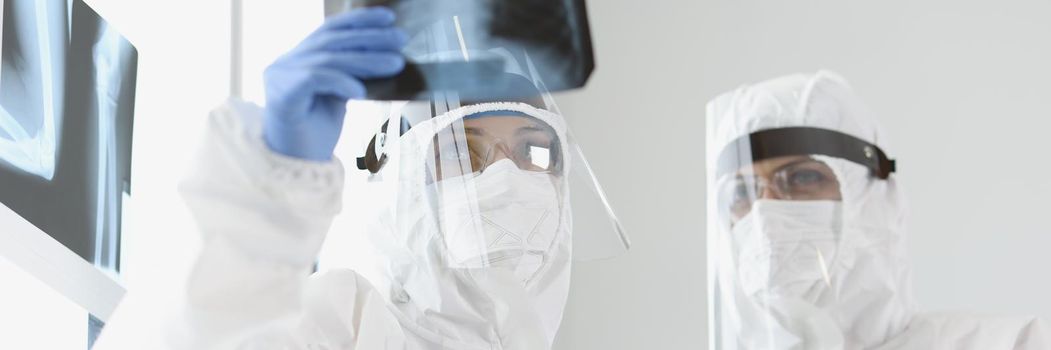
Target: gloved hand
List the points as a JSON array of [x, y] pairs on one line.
[[308, 88]]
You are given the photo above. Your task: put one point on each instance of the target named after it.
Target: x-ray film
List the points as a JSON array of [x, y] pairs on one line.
[[67, 91], [553, 36], [1, 34], [31, 85]]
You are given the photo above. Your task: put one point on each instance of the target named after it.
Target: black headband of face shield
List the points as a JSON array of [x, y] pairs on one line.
[[372, 160], [795, 141]]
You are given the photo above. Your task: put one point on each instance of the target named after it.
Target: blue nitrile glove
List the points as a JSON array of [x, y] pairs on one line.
[[308, 88]]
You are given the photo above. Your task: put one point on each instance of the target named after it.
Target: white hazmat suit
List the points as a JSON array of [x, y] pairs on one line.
[[807, 237], [475, 260]]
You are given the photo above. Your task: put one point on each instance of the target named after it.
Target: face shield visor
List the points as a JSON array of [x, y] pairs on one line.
[[483, 207], [492, 183], [484, 196], [777, 237], [496, 181], [492, 180]]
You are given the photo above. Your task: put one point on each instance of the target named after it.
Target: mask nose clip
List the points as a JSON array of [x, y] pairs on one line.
[[498, 146]]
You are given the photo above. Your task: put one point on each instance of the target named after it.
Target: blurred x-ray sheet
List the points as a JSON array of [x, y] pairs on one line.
[[31, 76], [463, 46], [67, 91]]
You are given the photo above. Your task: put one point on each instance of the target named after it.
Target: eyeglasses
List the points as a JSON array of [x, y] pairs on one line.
[[802, 180], [531, 147]]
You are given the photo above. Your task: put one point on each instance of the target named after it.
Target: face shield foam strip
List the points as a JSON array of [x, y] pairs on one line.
[[793, 141]]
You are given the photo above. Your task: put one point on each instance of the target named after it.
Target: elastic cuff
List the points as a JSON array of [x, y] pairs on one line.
[[308, 183]]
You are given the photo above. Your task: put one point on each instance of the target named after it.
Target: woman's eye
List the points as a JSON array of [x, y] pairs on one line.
[[806, 177]]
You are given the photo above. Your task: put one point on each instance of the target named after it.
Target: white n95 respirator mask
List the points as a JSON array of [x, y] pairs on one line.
[[511, 222], [785, 247]]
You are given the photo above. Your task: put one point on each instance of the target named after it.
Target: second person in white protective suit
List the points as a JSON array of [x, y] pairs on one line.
[[807, 237], [473, 214]]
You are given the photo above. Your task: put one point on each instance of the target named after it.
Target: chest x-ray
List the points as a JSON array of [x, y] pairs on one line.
[[67, 86], [554, 36]]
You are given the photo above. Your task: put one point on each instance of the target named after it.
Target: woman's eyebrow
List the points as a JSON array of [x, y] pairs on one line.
[[794, 163], [750, 171], [529, 129]]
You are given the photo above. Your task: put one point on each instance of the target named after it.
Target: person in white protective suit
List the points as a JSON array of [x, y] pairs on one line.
[[473, 216], [807, 237]]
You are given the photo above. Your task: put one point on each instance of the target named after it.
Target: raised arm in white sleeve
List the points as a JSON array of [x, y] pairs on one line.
[[263, 218]]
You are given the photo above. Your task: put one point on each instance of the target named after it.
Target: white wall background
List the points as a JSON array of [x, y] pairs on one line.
[[961, 86]]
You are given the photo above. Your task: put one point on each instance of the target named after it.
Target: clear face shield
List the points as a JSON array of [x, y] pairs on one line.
[[487, 204], [491, 156], [496, 183], [485, 196], [777, 236]]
